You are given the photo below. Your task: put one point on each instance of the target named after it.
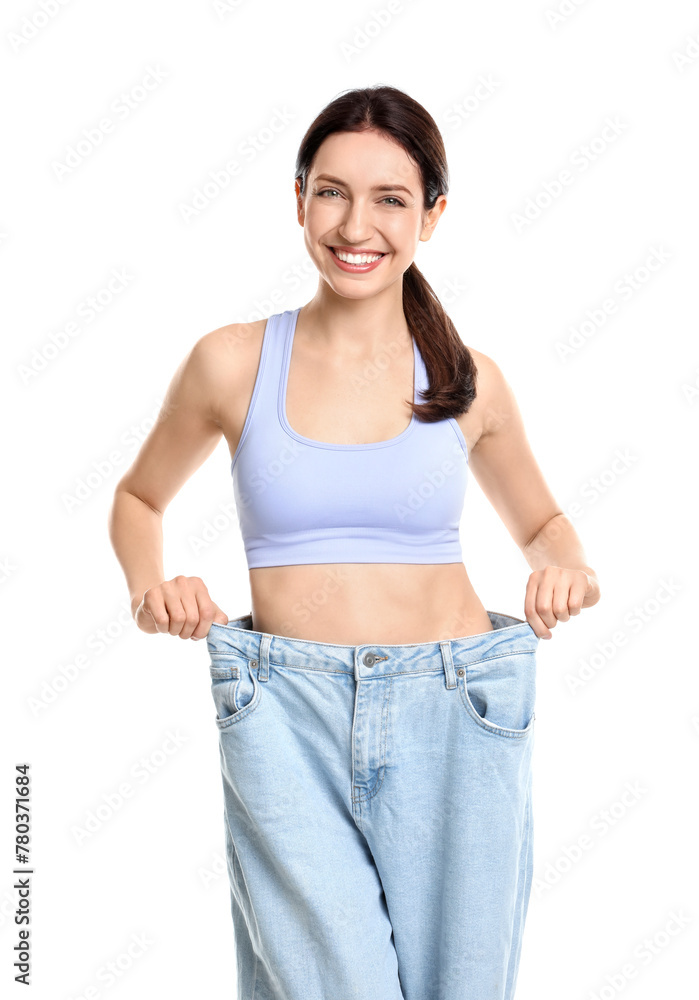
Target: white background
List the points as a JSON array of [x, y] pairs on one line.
[[73, 415]]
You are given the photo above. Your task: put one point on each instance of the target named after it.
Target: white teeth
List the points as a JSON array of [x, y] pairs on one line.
[[357, 258]]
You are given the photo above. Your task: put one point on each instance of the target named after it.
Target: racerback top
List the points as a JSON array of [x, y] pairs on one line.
[[305, 501]]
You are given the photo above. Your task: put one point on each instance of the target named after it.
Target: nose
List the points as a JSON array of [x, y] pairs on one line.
[[355, 228]]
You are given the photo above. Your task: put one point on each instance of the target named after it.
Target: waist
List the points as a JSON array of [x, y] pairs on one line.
[[239, 638], [355, 602]]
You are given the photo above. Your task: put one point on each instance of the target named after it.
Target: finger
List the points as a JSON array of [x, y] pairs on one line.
[[560, 599], [530, 611], [190, 607], [207, 612], [577, 595], [544, 603], [176, 613], [220, 617], [154, 606]]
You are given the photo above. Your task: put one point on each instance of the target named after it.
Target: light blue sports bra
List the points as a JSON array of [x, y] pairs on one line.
[[303, 501]]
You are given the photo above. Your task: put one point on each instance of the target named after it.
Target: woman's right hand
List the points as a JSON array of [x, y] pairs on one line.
[[180, 606]]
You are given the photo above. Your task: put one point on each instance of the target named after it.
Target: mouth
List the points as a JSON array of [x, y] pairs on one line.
[[371, 257]]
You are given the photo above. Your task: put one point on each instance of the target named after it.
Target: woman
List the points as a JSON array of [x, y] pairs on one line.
[[375, 721]]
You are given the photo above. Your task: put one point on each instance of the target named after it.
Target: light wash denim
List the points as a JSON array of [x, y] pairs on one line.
[[377, 811]]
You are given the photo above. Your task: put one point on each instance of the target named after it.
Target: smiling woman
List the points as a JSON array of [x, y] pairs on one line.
[[375, 720]]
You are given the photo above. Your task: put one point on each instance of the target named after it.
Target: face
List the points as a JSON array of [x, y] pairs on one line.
[[363, 194]]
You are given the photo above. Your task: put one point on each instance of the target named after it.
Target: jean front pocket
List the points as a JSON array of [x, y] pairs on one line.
[[235, 689], [499, 692]]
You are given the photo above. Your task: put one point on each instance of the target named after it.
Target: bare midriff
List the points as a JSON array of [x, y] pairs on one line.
[[358, 603], [350, 603]]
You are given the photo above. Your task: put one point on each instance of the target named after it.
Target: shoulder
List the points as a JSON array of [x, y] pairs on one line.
[[495, 404], [491, 383], [230, 343], [222, 362]]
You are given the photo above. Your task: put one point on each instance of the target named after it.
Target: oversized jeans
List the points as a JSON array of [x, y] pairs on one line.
[[377, 812]]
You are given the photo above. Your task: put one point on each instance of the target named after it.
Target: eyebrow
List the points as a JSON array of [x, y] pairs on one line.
[[377, 187]]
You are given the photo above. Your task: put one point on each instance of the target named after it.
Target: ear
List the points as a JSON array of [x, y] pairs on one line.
[[300, 208], [433, 217]]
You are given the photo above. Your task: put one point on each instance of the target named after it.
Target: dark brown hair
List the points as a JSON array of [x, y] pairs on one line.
[[451, 369]]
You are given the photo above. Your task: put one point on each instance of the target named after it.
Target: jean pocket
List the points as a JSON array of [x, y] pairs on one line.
[[235, 689], [499, 693]]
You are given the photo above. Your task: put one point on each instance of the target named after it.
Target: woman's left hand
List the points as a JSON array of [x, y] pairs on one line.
[[554, 594]]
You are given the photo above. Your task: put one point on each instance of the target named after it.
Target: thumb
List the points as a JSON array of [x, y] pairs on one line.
[[220, 618]]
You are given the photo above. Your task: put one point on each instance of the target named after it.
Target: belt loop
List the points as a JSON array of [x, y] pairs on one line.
[[447, 660], [265, 641]]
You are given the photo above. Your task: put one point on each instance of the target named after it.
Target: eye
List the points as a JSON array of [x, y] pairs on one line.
[[332, 191]]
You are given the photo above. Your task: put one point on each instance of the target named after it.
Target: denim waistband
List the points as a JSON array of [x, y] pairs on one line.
[[238, 638]]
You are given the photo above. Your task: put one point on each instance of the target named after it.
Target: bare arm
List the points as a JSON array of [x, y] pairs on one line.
[[185, 434], [136, 534], [504, 465]]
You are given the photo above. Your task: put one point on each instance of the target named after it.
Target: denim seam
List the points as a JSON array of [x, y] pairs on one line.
[[514, 957], [397, 673], [381, 769], [393, 673], [489, 727], [377, 645], [234, 857], [230, 720], [228, 698], [499, 656]]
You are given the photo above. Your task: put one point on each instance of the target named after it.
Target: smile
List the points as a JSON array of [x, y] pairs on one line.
[[356, 262]]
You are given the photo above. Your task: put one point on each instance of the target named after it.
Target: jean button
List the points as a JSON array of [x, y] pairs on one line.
[[369, 659]]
